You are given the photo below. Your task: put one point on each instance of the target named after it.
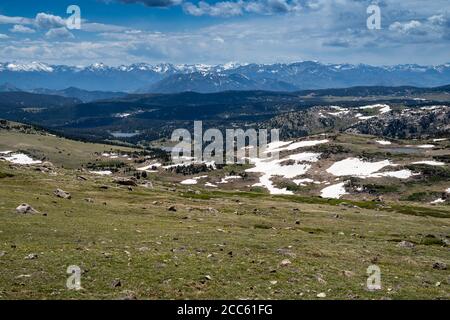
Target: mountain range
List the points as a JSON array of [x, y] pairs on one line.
[[171, 78]]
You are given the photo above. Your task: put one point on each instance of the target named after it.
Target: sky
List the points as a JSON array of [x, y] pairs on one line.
[[118, 32]]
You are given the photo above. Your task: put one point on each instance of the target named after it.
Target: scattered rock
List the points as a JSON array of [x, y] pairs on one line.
[[90, 200], [147, 185], [47, 164], [405, 244], [81, 178], [208, 277], [321, 295], [439, 266], [126, 181], [62, 194], [31, 256], [348, 274], [286, 252], [172, 208], [25, 208], [128, 295], [285, 263], [116, 283], [2, 253]]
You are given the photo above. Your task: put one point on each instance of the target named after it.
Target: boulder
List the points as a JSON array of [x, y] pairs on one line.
[[62, 194], [439, 266], [406, 244], [126, 181], [25, 208], [47, 164]]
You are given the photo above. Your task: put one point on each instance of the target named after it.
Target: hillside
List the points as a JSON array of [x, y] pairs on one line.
[[170, 228]]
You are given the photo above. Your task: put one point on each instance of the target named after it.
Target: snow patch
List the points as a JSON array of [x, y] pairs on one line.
[[102, 173], [227, 178], [193, 180], [20, 158], [334, 191], [356, 167], [400, 174], [383, 142], [430, 163]]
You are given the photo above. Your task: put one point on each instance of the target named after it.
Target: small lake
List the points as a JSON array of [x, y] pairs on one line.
[[403, 150], [119, 134]]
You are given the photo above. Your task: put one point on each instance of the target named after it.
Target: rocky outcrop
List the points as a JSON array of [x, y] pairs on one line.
[[25, 208]]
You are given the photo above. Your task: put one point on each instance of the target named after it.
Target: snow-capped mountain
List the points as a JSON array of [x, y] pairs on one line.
[[166, 77]]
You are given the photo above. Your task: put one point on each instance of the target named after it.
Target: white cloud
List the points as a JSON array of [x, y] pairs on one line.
[[239, 7], [49, 21], [405, 27], [3, 36], [18, 28], [14, 20], [59, 33]]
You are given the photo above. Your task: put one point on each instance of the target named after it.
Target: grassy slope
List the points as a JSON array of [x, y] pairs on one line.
[[60, 151], [157, 253]]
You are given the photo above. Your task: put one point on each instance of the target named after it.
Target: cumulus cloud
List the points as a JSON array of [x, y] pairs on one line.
[[3, 36], [59, 33], [239, 7], [406, 27], [14, 20], [154, 3], [48, 21], [18, 28]]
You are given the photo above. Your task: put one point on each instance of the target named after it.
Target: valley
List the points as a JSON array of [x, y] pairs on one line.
[[140, 228]]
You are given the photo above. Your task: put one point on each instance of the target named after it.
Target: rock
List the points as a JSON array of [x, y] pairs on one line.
[[212, 210], [90, 200], [128, 295], [321, 295], [297, 222], [62, 194], [439, 266], [274, 282], [285, 263], [25, 208], [208, 277], [2, 253], [172, 208], [116, 283], [31, 256], [406, 244], [286, 252], [81, 178], [347, 273], [104, 187], [47, 164], [126, 182], [378, 199], [147, 185]]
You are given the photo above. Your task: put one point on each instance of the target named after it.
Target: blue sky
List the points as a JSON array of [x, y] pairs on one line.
[[190, 31]]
